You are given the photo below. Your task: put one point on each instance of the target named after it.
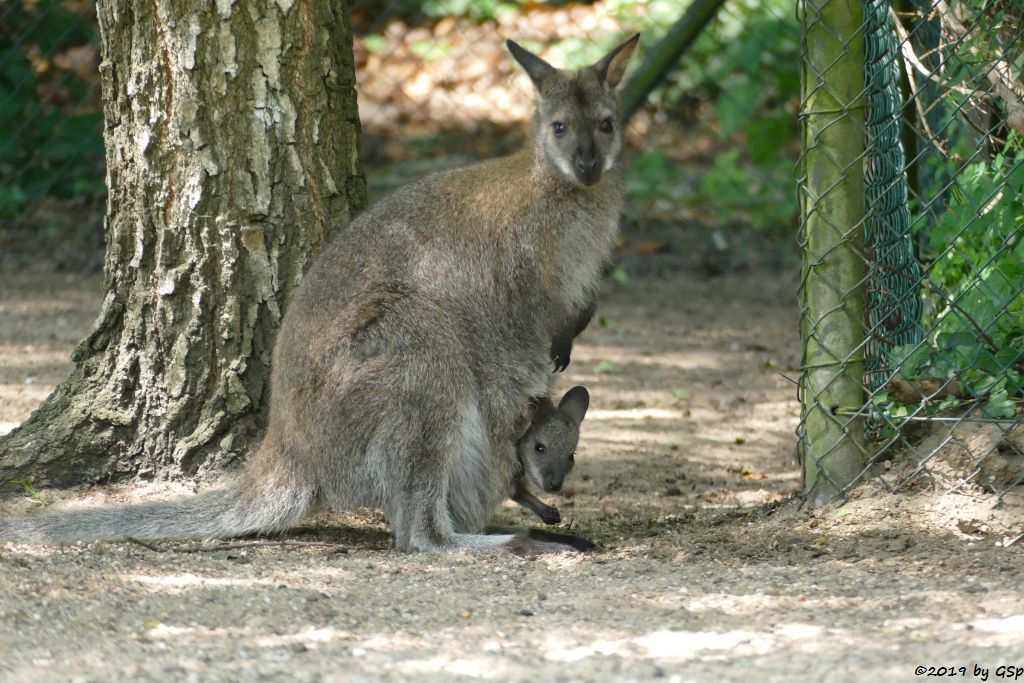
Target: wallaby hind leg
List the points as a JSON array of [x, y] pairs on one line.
[[452, 482], [449, 483]]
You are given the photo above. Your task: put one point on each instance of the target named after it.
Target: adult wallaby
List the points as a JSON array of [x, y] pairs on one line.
[[547, 452], [417, 339]]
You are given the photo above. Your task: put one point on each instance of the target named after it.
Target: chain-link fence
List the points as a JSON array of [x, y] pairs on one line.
[[912, 218]]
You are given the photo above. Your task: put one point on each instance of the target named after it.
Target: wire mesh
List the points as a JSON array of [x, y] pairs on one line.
[[937, 363]]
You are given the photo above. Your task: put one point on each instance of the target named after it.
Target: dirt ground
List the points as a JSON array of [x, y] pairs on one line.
[[707, 570]]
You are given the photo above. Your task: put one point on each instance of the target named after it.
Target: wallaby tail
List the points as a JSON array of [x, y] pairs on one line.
[[238, 510]]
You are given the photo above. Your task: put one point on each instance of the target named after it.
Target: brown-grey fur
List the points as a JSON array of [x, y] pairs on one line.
[[416, 341], [547, 452]]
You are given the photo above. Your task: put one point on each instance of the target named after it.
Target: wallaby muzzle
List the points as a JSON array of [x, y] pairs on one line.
[[587, 168]]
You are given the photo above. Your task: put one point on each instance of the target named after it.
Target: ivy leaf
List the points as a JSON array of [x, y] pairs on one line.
[[999, 405]]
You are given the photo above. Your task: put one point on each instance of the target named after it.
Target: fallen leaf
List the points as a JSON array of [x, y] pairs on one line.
[[931, 388], [651, 247]]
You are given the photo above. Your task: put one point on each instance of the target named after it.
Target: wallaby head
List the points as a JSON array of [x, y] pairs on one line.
[[548, 449], [577, 127]]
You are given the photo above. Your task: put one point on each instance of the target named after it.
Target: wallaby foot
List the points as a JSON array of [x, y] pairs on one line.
[[534, 542], [576, 542]]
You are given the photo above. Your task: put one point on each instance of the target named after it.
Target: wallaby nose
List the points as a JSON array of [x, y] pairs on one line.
[[553, 484], [588, 169]]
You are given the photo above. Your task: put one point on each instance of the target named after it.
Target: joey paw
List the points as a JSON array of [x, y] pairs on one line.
[[550, 515]]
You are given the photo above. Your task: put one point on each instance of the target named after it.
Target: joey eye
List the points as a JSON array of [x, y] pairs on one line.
[[559, 128], [607, 125], [539, 448]]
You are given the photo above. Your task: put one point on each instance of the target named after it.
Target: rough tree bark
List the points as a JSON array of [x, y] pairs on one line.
[[231, 133]]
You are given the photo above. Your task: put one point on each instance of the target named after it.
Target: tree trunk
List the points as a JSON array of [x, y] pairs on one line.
[[231, 135]]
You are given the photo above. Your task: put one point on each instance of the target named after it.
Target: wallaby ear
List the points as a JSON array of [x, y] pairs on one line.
[[612, 66], [536, 68], [575, 404]]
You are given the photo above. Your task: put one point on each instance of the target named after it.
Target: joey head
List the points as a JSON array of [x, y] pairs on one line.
[[547, 452]]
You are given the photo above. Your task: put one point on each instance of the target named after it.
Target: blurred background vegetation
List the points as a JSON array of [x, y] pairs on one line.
[[51, 144], [712, 151]]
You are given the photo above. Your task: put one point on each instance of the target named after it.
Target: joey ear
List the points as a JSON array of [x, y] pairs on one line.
[[612, 66], [536, 68], [575, 404]]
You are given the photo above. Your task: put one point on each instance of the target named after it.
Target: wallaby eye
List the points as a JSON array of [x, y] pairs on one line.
[[559, 128], [607, 125], [572, 457], [539, 448]]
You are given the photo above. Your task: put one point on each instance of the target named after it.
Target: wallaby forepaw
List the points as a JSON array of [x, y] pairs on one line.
[[561, 351]]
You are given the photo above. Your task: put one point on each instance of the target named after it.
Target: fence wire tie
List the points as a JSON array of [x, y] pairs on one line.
[[845, 110], [830, 363]]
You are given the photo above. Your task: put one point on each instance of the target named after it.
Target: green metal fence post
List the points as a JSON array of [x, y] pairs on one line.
[[832, 222]]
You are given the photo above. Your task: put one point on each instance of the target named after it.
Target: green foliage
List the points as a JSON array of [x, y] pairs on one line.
[[975, 290], [742, 71], [52, 143], [28, 489], [375, 42], [747, 54], [969, 224], [431, 49], [477, 9], [760, 195], [655, 179], [734, 189]]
